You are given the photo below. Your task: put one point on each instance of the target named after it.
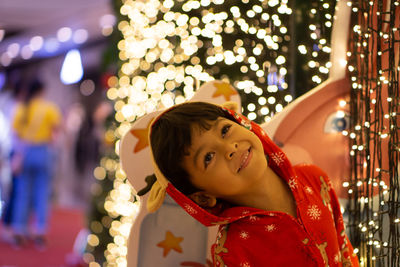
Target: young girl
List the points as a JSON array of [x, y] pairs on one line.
[[224, 170], [35, 123]]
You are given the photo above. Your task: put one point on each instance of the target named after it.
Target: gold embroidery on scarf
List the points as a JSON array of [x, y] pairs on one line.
[[220, 222], [326, 198], [346, 261], [322, 250], [219, 246]]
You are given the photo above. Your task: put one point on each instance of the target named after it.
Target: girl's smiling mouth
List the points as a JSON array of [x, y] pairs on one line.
[[245, 159]]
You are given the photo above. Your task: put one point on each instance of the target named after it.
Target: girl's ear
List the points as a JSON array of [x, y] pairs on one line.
[[203, 199]]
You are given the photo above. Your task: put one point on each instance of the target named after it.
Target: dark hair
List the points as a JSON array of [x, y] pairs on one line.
[[172, 135], [34, 88]]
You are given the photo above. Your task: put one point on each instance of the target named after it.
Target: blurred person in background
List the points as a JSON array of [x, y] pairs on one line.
[[5, 170], [6, 103], [36, 123], [9, 96]]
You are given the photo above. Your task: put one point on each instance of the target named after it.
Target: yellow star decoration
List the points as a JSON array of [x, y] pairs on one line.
[[224, 89], [170, 242], [141, 135]]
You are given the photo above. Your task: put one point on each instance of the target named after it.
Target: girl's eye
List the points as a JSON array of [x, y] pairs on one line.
[[225, 130], [207, 159]]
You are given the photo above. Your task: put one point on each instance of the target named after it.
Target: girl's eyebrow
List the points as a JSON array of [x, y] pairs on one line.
[[200, 149], [217, 122]]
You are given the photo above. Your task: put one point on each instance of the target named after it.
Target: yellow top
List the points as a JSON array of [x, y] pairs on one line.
[[35, 122]]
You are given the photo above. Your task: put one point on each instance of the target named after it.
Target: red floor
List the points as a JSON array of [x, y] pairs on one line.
[[65, 225]]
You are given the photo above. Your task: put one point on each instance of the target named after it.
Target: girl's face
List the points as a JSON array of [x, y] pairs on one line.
[[226, 161]]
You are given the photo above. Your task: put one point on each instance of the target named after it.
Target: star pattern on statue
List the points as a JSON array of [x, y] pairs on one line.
[[141, 135], [224, 89], [170, 242]]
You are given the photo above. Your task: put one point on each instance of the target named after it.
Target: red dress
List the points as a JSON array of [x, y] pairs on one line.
[[253, 237]]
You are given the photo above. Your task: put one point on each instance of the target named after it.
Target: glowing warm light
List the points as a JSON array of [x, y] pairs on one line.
[[71, 70], [302, 49], [343, 62], [26, 52], [36, 43], [64, 34], [13, 50], [5, 59], [80, 36], [342, 103], [340, 114]]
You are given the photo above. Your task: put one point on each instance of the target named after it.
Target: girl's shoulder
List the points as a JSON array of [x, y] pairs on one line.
[[310, 173], [309, 168]]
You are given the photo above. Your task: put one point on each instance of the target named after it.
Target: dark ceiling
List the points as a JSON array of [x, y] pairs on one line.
[[20, 20]]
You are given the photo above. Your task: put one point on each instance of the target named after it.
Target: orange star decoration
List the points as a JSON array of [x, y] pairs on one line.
[[141, 135], [170, 242], [224, 89]]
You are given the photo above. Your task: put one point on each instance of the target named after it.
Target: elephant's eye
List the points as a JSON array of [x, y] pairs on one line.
[[337, 122]]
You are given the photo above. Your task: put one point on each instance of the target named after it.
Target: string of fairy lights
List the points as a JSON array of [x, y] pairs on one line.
[[320, 21], [374, 133], [169, 47]]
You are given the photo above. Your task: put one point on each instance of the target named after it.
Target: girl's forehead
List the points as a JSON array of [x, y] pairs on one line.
[[200, 128]]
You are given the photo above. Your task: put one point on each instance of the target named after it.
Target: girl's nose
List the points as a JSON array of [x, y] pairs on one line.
[[231, 150]]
